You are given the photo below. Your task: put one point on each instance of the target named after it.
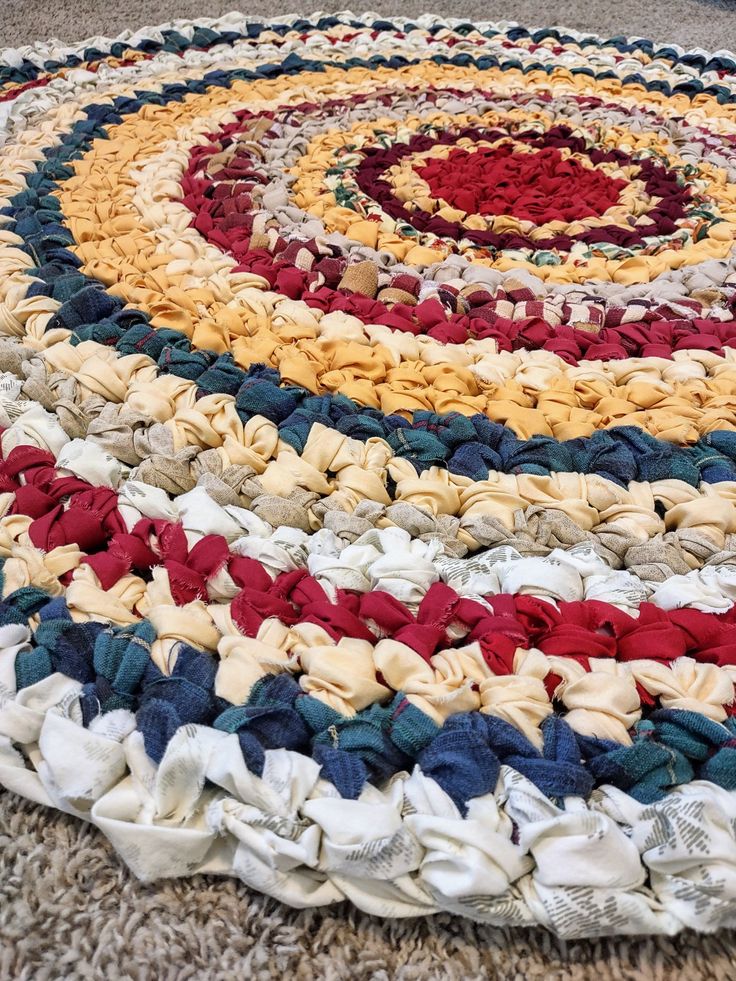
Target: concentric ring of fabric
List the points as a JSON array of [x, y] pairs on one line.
[[368, 463], [445, 222], [399, 317], [351, 380]]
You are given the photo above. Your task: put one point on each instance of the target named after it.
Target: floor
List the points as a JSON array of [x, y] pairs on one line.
[[68, 908]]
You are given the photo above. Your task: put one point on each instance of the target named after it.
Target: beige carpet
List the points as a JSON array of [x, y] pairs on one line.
[[69, 910]]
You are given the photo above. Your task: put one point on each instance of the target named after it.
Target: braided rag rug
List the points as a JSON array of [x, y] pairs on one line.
[[368, 478]]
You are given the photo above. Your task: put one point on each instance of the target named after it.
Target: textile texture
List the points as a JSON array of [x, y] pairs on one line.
[[368, 464]]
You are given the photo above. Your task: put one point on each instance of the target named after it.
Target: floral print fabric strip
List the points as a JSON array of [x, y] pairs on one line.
[[368, 463]]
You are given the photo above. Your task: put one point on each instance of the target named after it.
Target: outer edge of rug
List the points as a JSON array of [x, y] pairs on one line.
[[368, 509], [38, 47]]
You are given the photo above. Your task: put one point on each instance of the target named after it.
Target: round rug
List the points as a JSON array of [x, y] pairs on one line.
[[368, 478]]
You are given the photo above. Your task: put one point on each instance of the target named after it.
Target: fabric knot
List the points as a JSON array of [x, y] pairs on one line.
[[461, 759]]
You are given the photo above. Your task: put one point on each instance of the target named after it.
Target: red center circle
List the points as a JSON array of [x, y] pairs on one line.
[[541, 186]]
